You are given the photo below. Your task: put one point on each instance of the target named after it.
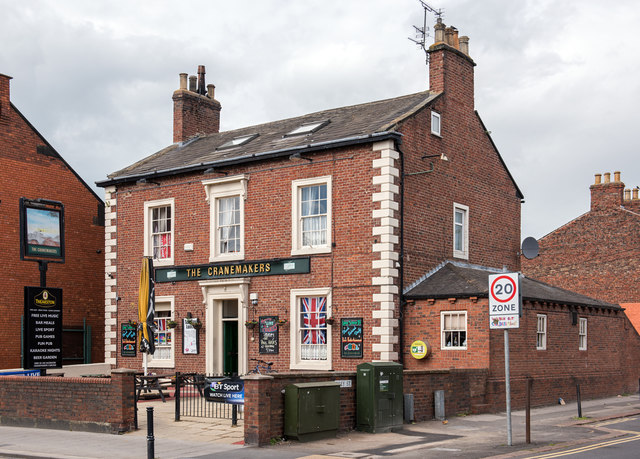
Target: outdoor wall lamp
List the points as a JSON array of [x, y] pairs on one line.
[[254, 299], [441, 156]]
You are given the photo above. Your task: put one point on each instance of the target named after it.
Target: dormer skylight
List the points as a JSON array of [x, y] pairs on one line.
[[237, 141], [308, 128]]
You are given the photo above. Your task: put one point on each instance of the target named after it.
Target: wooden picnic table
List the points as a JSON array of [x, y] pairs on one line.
[[152, 382]]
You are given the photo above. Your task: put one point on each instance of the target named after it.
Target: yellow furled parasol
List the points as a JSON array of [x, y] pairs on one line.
[[146, 310]]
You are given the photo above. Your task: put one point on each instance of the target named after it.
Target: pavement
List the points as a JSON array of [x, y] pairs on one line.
[[472, 436]]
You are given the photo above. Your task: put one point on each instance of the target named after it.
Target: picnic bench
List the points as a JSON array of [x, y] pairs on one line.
[[153, 383]]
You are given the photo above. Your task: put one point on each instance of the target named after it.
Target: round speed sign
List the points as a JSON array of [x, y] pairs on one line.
[[503, 289]]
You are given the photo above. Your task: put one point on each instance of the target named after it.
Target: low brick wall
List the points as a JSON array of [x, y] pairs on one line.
[[264, 397], [89, 404]]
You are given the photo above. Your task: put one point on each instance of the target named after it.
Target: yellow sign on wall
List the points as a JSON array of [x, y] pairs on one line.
[[420, 349]]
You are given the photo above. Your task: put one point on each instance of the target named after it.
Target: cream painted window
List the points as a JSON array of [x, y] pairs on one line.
[[164, 340], [310, 333], [159, 222], [541, 333], [311, 216], [460, 231], [582, 334], [454, 330], [226, 198]]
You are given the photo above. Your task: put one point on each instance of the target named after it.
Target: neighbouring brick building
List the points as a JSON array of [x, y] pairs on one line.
[[31, 168], [311, 223]]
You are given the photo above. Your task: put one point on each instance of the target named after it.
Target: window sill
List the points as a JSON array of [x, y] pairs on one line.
[[311, 250], [324, 366], [227, 257], [161, 365]]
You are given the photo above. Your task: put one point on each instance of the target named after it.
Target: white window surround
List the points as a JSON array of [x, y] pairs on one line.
[[216, 189], [460, 231], [455, 332], [296, 362], [582, 334], [541, 332], [436, 125], [296, 218], [148, 249], [165, 303]]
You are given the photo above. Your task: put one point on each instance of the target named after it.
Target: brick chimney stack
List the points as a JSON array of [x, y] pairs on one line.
[[5, 98], [607, 195], [195, 111], [450, 66]]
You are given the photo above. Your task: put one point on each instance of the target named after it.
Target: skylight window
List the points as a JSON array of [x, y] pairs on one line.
[[237, 141], [308, 128]]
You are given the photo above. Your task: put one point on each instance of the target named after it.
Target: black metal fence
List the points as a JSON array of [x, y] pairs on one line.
[[190, 400]]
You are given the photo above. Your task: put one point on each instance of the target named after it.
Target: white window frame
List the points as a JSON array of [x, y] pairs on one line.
[[165, 303], [296, 216], [296, 362], [148, 246], [541, 332], [436, 123], [443, 345], [215, 190], [582, 334], [464, 253]]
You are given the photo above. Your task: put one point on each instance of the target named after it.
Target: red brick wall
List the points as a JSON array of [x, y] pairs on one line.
[[347, 269], [93, 404], [26, 173], [597, 253], [473, 176]]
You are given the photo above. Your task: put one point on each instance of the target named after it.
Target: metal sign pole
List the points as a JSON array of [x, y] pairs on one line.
[[507, 384]]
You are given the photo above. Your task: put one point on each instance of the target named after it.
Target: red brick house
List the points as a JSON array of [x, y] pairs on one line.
[[597, 253], [329, 217], [325, 215], [33, 169]]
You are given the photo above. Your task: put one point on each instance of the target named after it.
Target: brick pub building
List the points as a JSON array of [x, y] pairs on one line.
[[316, 220], [33, 169]]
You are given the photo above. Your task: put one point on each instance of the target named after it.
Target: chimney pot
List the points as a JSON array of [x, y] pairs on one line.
[[439, 31], [211, 89], [634, 194], [616, 176], [598, 179], [201, 83], [464, 44], [627, 194], [607, 177], [183, 80], [193, 81], [448, 36]]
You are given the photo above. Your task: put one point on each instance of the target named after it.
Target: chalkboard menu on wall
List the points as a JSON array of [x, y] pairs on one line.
[[351, 339], [268, 327], [128, 340]]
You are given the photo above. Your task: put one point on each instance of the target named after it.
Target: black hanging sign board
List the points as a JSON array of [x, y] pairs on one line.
[[351, 338], [128, 340], [268, 341]]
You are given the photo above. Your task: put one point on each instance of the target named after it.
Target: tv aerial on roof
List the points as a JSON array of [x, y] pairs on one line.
[[530, 248], [423, 32]]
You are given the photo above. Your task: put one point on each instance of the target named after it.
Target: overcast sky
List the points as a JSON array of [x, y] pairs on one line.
[[557, 82]]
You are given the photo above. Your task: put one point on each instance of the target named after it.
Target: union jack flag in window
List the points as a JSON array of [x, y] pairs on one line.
[[314, 328]]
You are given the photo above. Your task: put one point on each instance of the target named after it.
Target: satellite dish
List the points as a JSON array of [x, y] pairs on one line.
[[530, 248]]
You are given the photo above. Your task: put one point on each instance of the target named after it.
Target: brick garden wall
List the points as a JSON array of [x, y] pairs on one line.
[[89, 404]]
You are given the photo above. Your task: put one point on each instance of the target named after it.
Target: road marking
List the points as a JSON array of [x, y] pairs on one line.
[[587, 448]]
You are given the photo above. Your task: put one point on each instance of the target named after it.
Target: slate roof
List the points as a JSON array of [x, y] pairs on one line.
[[347, 126], [453, 279]]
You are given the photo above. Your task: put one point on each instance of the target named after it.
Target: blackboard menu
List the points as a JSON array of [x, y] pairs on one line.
[[268, 343], [42, 327], [351, 340], [128, 340]]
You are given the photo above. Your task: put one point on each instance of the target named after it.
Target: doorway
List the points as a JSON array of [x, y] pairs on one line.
[[230, 337]]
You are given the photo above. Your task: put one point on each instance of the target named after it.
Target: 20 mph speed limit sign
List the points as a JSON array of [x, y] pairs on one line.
[[504, 300]]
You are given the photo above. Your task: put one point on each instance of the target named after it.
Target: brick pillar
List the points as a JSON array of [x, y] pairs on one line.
[[123, 387], [257, 416]]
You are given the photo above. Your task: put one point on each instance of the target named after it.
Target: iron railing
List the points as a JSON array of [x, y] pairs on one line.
[[191, 402]]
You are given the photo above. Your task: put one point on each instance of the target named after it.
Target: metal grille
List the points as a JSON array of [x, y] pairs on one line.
[[190, 400]]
